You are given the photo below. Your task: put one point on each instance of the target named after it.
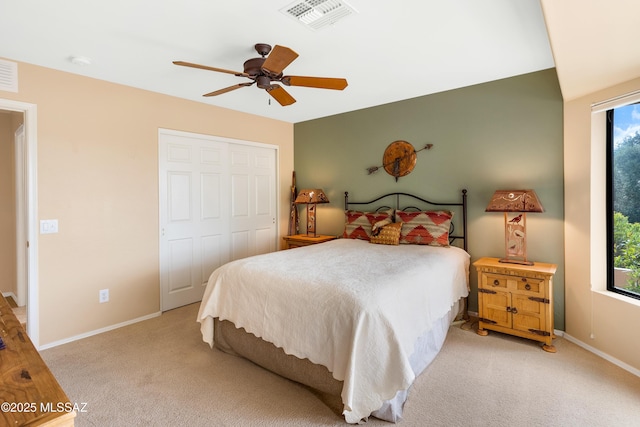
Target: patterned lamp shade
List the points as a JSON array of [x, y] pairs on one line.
[[514, 201], [311, 196]]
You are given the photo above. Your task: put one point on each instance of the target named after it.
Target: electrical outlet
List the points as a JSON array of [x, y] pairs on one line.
[[103, 295]]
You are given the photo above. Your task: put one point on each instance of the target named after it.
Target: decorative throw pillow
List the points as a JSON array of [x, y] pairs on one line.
[[425, 227], [389, 234], [358, 225], [375, 229]]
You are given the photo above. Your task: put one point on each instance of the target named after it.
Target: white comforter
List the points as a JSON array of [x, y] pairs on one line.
[[356, 308]]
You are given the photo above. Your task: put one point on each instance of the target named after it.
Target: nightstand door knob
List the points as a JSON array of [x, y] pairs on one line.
[[513, 310]]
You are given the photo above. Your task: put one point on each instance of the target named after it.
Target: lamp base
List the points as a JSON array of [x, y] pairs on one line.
[[311, 219], [516, 261]]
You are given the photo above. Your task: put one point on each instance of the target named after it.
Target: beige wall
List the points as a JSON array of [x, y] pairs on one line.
[[599, 319], [8, 126], [98, 175]]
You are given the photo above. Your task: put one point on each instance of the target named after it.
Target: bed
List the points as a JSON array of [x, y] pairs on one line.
[[350, 318]]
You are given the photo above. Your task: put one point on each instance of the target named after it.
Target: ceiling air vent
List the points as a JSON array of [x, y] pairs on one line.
[[317, 14], [8, 76]]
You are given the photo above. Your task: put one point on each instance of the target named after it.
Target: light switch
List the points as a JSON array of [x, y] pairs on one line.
[[48, 226]]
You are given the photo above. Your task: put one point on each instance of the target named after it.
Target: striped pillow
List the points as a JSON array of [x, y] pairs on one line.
[[425, 227], [358, 224]]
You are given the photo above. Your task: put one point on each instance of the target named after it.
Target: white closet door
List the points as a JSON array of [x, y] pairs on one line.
[[253, 200], [202, 196]]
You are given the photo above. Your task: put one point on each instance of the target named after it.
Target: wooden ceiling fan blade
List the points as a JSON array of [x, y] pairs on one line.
[[205, 67], [227, 89], [279, 94], [317, 82], [278, 59]]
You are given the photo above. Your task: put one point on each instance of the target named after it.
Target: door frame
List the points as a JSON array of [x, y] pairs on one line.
[[19, 146], [31, 188]]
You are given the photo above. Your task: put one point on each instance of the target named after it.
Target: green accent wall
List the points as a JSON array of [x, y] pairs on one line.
[[505, 134]]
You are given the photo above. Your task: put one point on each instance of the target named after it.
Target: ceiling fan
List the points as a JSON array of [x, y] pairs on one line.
[[267, 71]]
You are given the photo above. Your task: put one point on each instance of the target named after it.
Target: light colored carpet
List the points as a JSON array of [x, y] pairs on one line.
[[160, 373]]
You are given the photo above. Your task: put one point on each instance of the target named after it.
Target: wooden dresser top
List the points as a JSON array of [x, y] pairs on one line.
[[30, 394]]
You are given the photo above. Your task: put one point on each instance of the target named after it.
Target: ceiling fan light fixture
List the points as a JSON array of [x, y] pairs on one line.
[[253, 66], [263, 82]]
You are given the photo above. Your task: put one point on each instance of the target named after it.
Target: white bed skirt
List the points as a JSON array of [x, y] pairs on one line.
[[318, 377], [426, 349]]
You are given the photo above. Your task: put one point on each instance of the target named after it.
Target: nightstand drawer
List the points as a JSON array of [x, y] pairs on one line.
[[495, 281], [526, 284]]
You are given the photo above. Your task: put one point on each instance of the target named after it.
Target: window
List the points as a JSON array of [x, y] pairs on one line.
[[623, 200]]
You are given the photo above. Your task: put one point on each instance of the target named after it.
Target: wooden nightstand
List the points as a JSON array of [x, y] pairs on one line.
[[298, 240], [516, 299]]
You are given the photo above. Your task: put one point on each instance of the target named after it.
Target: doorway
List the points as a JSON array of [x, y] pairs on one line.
[[26, 253]]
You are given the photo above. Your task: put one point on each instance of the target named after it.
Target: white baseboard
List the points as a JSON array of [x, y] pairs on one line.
[[10, 294], [593, 350], [605, 356], [558, 333], [99, 331]]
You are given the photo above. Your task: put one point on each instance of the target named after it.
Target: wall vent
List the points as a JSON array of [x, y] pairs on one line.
[[317, 14], [8, 76]]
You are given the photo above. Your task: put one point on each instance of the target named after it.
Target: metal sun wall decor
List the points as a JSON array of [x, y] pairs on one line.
[[399, 159]]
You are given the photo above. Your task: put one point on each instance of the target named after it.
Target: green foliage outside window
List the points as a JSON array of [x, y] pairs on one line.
[[626, 249], [626, 178]]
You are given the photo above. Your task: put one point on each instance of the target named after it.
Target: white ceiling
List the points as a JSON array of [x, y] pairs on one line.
[[388, 51]]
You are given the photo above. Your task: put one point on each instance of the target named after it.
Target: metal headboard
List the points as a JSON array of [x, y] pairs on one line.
[[396, 197]]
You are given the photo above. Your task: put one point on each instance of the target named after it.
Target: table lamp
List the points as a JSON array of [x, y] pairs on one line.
[[515, 226], [311, 198]]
